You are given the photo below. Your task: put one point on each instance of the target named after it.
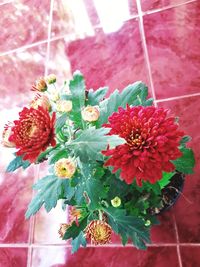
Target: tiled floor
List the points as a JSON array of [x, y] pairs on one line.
[[113, 43]]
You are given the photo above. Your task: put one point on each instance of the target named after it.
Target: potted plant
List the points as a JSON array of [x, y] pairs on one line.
[[114, 161]]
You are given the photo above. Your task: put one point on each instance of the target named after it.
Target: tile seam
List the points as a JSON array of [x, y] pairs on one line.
[[146, 54]]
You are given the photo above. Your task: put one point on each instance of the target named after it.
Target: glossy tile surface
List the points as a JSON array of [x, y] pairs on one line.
[[174, 55], [105, 40], [13, 257], [105, 257], [149, 5], [31, 18], [190, 256]]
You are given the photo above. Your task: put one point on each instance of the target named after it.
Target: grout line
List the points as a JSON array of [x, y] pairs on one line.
[[146, 54], [22, 48], [37, 245], [49, 36], [178, 243], [177, 97], [167, 7]]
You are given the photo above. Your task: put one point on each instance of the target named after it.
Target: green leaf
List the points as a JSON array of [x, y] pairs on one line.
[[95, 191], [49, 190], [116, 100], [16, 163], [63, 153], [184, 140], [186, 162], [165, 179], [78, 241], [94, 97], [73, 231], [60, 122], [130, 225], [92, 141], [68, 189], [43, 155], [77, 88]]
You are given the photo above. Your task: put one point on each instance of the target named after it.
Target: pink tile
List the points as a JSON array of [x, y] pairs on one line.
[[78, 18], [31, 18], [170, 47], [187, 208], [13, 257], [155, 4], [20, 70], [105, 257], [190, 256], [115, 59]]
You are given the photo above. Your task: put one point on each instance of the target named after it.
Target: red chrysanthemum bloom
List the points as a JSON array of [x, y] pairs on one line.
[[33, 132], [152, 141]]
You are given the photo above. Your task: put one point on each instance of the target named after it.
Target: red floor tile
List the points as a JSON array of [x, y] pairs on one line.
[[155, 4], [114, 59], [170, 47], [190, 256], [31, 18], [187, 208], [105, 257], [13, 257], [20, 70]]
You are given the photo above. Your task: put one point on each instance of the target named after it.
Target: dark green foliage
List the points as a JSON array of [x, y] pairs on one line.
[[16, 163]]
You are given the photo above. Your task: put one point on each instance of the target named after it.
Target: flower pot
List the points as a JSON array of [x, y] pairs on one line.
[[170, 193]]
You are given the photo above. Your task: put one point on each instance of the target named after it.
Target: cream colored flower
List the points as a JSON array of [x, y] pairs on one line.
[[54, 96], [51, 78], [116, 202], [41, 100], [90, 113], [64, 105], [7, 132], [65, 168]]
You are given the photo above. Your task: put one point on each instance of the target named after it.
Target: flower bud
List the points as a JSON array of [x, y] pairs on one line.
[[147, 223], [63, 229], [64, 105], [90, 113], [54, 96], [51, 78], [116, 202], [40, 85], [65, 168], [7, 132], [41, 100]]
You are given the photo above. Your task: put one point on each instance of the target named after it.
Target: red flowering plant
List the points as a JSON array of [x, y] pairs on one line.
[[110, 157]]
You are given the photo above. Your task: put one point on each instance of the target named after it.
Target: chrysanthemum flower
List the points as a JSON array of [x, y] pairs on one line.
[[99, 232], [40, 85], [7, 132], [33, 132], [63, 228], [41, 100], [64, 105], [152, 141], [65, 168]]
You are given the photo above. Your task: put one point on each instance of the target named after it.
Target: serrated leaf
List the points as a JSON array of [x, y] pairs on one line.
[[131, 225], [43, 155], [49, 190], [116, 100], [68, 189], [94, 97], [60, 121], [184, 140], [92, 141], [165, 179], [77, 89], [63, 153], [95, 191], [16, 163], [186, 162], [78, 241], [73, 231]]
